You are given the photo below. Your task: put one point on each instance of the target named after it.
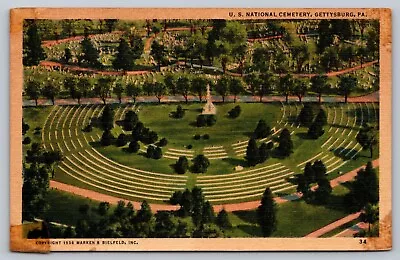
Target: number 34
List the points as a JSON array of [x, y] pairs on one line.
[[362, 241]]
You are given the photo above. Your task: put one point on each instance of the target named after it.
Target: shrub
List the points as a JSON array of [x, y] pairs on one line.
[[262, 130], [106, 138], [130, 120], [154, 152], [163, 142], [25, 127], [206, 137], [196, 137], [88, 128], [122, 140], [27, 140], [206, 120], [157, 153], [179, 113], [189, 146], [200, 164], [270, 145], [234, 112], [134, 147]]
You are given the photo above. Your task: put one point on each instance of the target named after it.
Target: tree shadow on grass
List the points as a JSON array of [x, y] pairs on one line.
[[252, 230], [249, 216], [235, 162]]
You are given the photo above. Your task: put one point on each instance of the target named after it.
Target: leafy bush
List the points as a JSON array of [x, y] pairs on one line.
[[27, 140], [196, 137], [206, 137], [235, 112]]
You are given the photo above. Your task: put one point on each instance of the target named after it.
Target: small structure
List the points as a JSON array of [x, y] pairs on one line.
[[209, 108]]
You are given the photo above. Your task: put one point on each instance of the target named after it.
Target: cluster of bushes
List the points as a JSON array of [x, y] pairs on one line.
[[262, 130], [198, 137], [255, 155], [206, 120], [200, 164], [154, 152], [179, 113], [314, 173], [235, 112]]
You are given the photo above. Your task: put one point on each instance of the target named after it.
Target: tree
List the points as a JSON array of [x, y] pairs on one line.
[[285, 146], [285, 86], [264, 152], [106, 138], [25, 127], [50, 91], [110, 23], [89, 53], [223, 220], [103, 88], [329, 59], [182, 165], [165, 224], [133, 91], [367, 137], [319, 85], [252, 153], [253, 81], [34, 191], [169, 81], [134, 146], [179, 113], [158, 52], [300, 88], [262, 130], [323, 191], [235, 112], [124, 57], [199, 86], [315, 130], [51, 158], [235, 88], [266, 213], [159, 90], [370, 214], [82, 88], [118, 90], [67, 55], [306, 115], [346, 85], [130, 120], [365, 188], [267, 80], [222, 87], [137, 46], [321, 117], [33, 51], [200, 164], [33, 89], [163, 142], [107, 118], [319, 170], [183, 86]]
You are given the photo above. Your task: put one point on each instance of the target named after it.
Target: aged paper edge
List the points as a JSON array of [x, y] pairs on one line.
[[17, 243]]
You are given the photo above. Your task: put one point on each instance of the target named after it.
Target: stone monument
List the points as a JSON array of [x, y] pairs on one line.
[[209, 108]]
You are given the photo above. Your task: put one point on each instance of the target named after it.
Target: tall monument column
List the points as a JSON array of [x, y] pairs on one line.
[[209, 108]]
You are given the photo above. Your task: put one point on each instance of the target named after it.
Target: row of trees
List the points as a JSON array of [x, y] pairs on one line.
[[200, 164], [185, 85]]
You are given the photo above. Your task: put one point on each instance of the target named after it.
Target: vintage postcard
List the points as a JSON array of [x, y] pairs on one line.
[[200, 129]]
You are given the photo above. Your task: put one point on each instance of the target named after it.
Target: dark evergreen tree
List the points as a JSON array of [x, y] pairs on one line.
[[367, 137], [252, 153], [182, 165], [319, 170], [323, 191], [264, 152], [33, 51], [262, 130], [285, 147], [124, 57], [266, 213], [223, 220], [107, 118], [90, 53], [130, 120], [306, 115], [365, 189], [67, 55]]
